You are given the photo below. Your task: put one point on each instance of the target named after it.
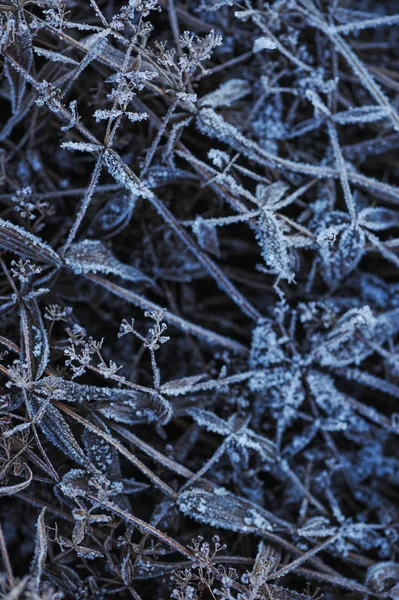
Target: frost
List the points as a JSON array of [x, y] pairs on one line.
[[55, 56], [365, 114], [229, 92], [122, 406], [112, 115], [223, 510], [91, 256], [80, 146], [275, 251], [263, 43], [16, 239]]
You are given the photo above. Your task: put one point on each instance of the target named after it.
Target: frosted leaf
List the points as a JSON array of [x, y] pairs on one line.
[[123, 175], [331, 401], [340, 346], [222, 509], [16, 239], [237, 429], [91, 256], [178, 387], [317, 527], [123, 406], [274, 246], [211, 422], [364, 114], [78, 483], [56, 429], [263, 43], [349, 349], [75, 483], [88, 553], [341, 247], [103, 456], [270, 195], [143, 409], [229, 92], [20, 50], [378, 219], [383, 577], [266, 348], [206, 235]]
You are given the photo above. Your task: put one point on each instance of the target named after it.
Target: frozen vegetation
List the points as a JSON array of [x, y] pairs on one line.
[[199, 299]]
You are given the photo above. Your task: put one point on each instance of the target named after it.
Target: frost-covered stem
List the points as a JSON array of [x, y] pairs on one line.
[[306, 556], [225, 65], [157, 139], [209, 463], [25, 341], [122, 381], [155, 371], [99, 13], [369, 380], [342, 169], [84, 205], [367, 23]]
